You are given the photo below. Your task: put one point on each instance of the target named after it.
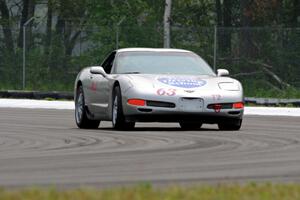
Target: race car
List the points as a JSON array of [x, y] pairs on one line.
[[157, 85]]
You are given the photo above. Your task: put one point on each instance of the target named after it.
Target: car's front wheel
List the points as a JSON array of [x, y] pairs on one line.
[[190, 125], [81, 118], [118, 118], [232, 125]]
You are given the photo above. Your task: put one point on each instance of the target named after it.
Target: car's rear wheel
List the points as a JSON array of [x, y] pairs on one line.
[[118, 118], [232, 125], [81, 117], [190, 125]]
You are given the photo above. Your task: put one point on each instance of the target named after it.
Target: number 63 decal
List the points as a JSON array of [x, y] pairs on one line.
[[168, 92]]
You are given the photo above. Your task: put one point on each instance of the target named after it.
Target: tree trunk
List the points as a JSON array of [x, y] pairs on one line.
[[227, 21], [60, 27], [246, 12], [247, 48], [31, 9], [296, 12], [57, 41], [8, 37], [227, 13], [27, 13], [279, 11], [24, 18], [219, 13], [167, 21], [71, 43], [48, 29]]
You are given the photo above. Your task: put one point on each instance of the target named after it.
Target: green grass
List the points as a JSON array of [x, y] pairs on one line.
[[260, 89], [289, 105], [290, 93], [252, 191]]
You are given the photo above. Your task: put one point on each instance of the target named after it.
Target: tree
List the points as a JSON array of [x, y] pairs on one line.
[[167, 22], [6, 24], [48, 38], [296, 12], [224, 22], [27, 12]]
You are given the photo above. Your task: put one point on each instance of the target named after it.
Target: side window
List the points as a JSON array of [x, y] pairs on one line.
[[108, 62]]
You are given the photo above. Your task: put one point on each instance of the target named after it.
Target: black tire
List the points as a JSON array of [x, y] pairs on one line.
[[81, 118], [232, 125], [190, 125], [118, 118]]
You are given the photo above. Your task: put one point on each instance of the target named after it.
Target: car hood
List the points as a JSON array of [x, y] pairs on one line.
[[184, 82]]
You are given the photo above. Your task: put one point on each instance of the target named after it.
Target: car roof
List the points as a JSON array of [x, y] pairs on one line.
[[152, 50]]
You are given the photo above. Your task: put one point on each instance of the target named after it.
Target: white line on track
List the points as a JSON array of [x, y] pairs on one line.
[[69, 105], [37, 104]]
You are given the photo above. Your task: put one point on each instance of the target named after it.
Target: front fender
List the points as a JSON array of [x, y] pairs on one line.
[[124, 83]]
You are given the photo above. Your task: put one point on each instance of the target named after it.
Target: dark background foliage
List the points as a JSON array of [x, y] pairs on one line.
[[257, 40]]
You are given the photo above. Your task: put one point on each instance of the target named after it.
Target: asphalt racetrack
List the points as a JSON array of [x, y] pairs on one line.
[[44, 147]]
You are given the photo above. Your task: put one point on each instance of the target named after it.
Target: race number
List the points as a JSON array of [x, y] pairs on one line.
[[168, 92]]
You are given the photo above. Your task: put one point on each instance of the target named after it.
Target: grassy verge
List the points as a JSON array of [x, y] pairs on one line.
[[258, 90], [220, 192], [277, 105]]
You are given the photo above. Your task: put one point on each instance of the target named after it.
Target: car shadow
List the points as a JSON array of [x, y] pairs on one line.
[[157, 129]]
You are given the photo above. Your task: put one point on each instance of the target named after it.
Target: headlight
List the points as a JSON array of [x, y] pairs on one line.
[[230, 86]]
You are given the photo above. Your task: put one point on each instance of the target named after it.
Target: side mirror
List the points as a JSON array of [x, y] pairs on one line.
[[223, 72], [98, 70]]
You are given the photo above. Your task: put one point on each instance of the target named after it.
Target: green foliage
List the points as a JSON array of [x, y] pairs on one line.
[[83, 32], [193, 13], [253, 191], [260, 89]]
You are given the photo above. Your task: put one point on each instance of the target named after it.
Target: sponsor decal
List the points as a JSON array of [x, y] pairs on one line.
[[93, 86], [182, 82]]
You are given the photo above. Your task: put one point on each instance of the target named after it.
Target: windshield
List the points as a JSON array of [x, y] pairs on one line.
[[161, 63]]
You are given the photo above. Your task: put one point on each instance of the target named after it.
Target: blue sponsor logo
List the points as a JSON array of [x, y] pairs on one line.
[[183, 83]]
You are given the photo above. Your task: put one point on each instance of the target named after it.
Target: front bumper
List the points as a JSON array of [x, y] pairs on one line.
[[190, 110], [183, 117], [177, 114]]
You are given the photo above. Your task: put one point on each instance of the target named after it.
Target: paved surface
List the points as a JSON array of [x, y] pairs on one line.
[[44, 147]]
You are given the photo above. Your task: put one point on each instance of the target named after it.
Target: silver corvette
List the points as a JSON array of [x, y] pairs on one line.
[[157, 85]]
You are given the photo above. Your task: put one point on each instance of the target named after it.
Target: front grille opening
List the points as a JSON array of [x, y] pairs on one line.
[[161, 104], [234, 112], [145, 109]]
